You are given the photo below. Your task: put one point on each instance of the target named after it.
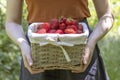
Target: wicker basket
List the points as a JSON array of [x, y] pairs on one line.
[[49, 57]]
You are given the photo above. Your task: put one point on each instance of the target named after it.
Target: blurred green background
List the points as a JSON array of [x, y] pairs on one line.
[[10, 55]]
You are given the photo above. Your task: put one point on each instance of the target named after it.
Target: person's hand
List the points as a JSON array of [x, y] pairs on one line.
[[86, 56], [28, 62]]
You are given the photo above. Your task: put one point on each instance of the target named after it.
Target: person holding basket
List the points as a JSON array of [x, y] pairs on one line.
[[92, 67]]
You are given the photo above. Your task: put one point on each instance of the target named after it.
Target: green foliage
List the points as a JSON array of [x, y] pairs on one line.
[[9, 52], [10, 55]]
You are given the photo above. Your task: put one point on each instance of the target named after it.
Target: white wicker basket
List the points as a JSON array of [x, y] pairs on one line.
[[64, 52]]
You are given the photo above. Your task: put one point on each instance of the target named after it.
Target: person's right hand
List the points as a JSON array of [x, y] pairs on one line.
[[27, 58]]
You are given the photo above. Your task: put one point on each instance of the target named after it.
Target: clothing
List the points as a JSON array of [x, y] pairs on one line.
[[95, 71], [45, 10]]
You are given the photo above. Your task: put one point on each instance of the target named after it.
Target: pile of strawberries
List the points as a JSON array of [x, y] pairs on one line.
[[61, 26]]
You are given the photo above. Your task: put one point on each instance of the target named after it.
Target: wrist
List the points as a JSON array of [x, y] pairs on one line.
[[22, 42]]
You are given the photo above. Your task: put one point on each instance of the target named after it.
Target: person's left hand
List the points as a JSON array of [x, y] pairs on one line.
[[86, 59]]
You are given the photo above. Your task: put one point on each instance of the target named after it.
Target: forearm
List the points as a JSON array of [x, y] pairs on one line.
[[13, 21], [16, 33], [104, 25]]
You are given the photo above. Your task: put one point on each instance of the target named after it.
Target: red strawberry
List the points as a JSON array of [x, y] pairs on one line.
[[69, 22], [74, 22], [69, 31], [62, 26], [80, 27], [51, 31], [73, 27], [45, 25], [63, 20], [59, 31], [41, 31], [54, 23]]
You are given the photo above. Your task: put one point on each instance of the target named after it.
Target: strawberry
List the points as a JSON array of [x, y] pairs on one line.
[[59, 31], [51, 31], [62, 20], [80, 27], [69, 22], [74, 22], [62, 26], [54, 23], [69, 31], [45, 25], [41, 31], [73, 27]]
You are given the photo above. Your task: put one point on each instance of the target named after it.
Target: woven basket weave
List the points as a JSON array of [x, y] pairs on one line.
[[51, 57]]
